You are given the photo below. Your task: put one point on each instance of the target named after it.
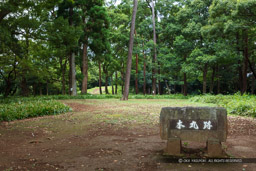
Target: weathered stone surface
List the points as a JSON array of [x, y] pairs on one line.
[[173, 146], [216, 115], [214, 148]]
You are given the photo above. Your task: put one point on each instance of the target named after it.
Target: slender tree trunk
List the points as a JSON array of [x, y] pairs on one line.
[[100, 78], [240, 79], [245, 66], [185, 80], [84, 68], [63, 71], [159, 82], [253, 85], [69, 74], [112, 84], [24, 86], [116, 83], [40, 90], [155, 55], [136, 75], [129, 59], [72, 64], [122, 76], [144, 72], [240, 70], [185, 90], [34, 89], [253, 79], [167, 86], [47, 88], [218, 79], [73, 75], [204, 78], [106, 83], [212, 80]]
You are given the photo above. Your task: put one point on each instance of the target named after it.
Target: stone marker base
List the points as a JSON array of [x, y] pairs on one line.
[[214, 148], [173, 146]]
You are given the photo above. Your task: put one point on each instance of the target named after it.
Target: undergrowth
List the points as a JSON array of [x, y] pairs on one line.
[[244, 105], [26, 109]]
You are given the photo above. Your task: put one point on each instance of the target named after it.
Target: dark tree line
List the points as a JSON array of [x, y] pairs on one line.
[[68, 46]]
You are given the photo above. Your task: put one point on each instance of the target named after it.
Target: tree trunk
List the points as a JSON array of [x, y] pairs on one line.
[[63, 73], [73, 75], [72, 72], [34, 89], [245, 65], [136, 77], [8, 88], [129, 59], [116, 83], [240, 79], [100, 78], [144, 71], [167, 86], [47, 88], [122, 76], [253, 85], [84, 69], [240, 71], [155, 55], [218, 79], [253, 79], [159, 82], [40, 89], [112, 84], [24, 87], [106, 83], [185, 89], [212, 80], [204, 78]]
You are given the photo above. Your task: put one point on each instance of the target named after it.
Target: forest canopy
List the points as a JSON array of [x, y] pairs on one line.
[[69, 46]]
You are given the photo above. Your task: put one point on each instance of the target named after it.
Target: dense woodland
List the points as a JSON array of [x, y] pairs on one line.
[[69, 46]]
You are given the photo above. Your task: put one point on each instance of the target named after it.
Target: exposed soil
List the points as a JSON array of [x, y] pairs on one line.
[[76, 141]]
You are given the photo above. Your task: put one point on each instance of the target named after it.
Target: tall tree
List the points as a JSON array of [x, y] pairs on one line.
[[129, 59]]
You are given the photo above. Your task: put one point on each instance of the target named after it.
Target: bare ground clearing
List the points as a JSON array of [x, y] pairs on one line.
[[109, 135]]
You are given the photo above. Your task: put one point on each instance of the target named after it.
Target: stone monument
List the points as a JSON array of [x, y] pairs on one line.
[[199, 124]]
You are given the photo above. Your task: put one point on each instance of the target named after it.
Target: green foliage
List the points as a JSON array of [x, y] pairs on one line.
[[235, 104], [198, 41], [30, 108]]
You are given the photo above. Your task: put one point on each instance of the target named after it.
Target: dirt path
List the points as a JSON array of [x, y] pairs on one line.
[[97, 136]]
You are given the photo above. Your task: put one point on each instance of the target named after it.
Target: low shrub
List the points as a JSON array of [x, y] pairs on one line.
[[244, 105], [25, 109]]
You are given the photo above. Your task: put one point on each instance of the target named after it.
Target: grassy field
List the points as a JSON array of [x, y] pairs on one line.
[[95, 90], [107, 134], [24, 107]]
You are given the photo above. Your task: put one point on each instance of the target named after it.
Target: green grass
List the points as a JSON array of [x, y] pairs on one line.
[[26, 109], [235, 104], [95, 90], [133, 111], [90, 96]]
